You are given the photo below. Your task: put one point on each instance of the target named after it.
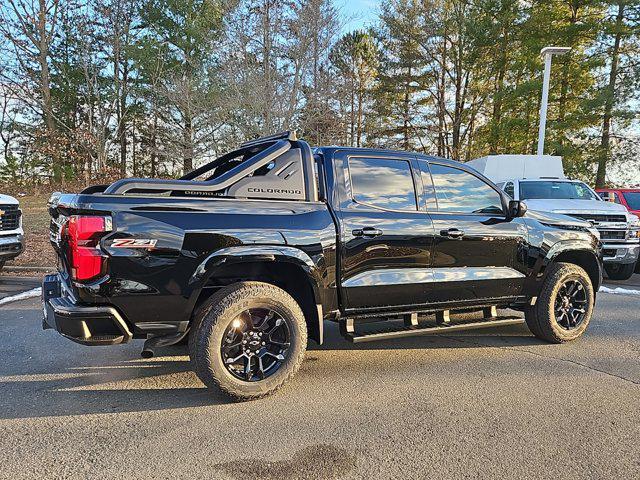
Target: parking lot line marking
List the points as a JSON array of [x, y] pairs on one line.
[[619, 291], [35, 292]]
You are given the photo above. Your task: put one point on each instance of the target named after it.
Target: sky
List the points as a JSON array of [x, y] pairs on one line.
[[362, 13]]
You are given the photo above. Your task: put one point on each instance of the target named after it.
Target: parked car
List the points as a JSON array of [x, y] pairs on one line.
[[539, 180], [629, 197], [11, 233], [249, 255]]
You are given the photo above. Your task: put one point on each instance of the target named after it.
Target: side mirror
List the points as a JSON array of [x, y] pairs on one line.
[[517, 208]]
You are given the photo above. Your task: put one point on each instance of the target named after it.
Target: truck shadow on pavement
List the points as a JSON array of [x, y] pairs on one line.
[[77, 380], [110, 388]]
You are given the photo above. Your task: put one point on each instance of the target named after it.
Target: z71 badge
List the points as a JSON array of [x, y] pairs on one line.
[[134, 243]]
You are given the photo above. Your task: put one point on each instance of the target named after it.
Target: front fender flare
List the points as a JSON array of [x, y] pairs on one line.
[[563, 246], [573, 246]]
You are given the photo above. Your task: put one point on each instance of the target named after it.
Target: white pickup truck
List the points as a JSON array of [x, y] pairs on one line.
[[539, 180], [11, 233]]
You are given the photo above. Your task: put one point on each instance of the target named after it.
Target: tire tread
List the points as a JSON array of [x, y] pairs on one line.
[[214, 308], [538, 317]]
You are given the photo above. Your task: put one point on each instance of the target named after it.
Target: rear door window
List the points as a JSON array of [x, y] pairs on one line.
[[382, 182]]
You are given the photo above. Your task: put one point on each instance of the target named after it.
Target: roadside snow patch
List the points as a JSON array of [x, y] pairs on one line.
[[619, 291], [28, 294]]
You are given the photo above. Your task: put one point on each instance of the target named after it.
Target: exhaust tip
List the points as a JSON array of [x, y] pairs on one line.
[[146, 353]]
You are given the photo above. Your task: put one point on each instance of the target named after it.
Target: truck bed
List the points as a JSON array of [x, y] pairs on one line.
[[190, 235]]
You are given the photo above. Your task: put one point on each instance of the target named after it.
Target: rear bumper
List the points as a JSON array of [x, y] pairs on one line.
[[11, 246], [87, 325], [623, 253]]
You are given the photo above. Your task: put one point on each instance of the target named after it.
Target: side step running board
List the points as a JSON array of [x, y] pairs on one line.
[[409, 330]]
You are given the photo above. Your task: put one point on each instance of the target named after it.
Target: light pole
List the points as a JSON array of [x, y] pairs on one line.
[[547, 53]]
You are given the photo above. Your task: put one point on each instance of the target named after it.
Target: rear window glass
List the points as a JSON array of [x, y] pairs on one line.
[[383, 183]]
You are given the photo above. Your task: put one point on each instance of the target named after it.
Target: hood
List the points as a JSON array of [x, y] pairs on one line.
[[555, 219], [7, 200], [575, 206]]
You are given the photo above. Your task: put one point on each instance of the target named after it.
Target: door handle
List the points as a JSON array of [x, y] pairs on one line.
[[452, 233], [366, 232]]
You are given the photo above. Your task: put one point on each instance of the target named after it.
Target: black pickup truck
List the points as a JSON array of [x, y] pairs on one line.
[[248, 256]]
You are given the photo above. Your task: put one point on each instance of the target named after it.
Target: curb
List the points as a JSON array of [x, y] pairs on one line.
[[17, 268]]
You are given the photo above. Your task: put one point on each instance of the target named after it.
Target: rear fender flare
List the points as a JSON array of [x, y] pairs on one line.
[[260, 253]]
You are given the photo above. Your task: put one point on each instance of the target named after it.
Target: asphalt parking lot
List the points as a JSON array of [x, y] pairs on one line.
[[13, 285], [494, 403]]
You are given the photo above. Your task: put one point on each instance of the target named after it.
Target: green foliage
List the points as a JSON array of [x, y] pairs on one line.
[[155, 87], [355, 56], [403, 69], [11, 171], [185, 31]]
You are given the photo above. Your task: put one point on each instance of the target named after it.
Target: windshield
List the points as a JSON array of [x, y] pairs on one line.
[[556, 190], [633, 200]]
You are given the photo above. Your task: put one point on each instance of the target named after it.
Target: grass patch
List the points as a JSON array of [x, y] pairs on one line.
[[35, 221]]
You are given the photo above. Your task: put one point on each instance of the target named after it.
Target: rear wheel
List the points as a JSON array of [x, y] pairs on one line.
[[248, 340], [1, 265], [565, 304], [616, 271], [637, 267]]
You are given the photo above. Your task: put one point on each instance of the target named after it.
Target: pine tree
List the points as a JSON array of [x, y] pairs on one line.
[[355, 58], [401, 73], [185, 32], [621, 46]]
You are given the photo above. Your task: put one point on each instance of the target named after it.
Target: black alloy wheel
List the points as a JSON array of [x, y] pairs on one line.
[[255, 344], [248, 339], [571, 304], [564, 306]]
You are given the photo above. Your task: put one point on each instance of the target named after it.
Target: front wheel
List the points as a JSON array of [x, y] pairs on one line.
[[248, 340], [616, 271], [1, 265], [564, 307]]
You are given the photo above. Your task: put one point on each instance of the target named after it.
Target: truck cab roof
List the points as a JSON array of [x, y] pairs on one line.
[[541, 179]]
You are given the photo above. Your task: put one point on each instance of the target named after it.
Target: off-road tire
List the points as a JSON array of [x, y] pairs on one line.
[[541, 317], [1, 265], [215, 315], [615, 271]]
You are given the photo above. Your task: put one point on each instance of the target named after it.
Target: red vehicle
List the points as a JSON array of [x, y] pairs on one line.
[[629, 197]]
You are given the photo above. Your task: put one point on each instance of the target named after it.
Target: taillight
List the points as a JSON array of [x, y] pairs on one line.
[[83, 234]]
